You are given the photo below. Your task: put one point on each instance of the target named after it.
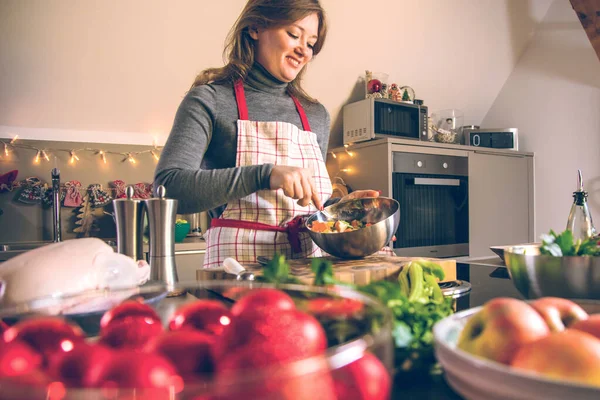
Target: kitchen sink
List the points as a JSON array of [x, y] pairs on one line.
[[22, 246]]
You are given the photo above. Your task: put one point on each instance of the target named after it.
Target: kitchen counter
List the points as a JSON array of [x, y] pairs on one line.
[[189, 244], [488, 281]]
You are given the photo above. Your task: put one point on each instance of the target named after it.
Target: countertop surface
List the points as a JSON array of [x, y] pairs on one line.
[[488, 281]]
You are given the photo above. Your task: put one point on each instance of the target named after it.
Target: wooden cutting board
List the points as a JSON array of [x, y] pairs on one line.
[[360, 271]]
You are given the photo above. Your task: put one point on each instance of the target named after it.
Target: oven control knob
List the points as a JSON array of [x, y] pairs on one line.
[[445, 165], [419, 164]]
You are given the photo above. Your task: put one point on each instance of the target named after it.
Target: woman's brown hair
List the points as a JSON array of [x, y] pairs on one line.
[[240, 47]]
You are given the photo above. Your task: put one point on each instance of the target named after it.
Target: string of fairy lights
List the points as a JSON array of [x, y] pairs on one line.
[[42, 153]]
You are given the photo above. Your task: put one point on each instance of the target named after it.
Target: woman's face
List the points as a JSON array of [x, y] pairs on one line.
[[285, 51]]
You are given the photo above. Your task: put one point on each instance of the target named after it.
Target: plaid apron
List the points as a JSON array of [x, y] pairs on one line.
[[268, 222]]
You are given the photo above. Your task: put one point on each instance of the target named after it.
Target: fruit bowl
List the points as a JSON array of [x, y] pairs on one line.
[[382, 213], [536, 275], [478, 378], [356, 342]]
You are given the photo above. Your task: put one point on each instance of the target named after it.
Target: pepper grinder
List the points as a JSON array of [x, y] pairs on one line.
[[162, 213], [129, 218]]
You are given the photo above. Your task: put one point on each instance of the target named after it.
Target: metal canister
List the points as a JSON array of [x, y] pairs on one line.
[[162, 214], [129, 219]]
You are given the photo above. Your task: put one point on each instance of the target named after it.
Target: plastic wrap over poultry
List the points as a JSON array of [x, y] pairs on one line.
[[68, 267]]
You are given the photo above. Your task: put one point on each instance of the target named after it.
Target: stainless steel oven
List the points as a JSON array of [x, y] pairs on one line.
[[433, 193]]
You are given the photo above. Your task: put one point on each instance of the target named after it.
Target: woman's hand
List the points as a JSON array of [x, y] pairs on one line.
[[296, 183], [359, 194]]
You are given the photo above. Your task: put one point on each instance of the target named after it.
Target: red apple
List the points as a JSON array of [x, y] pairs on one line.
[[189, 351], [571, 355], [46, 335], [129, 369], [128, 308], [263, 372], [130, 332], [334, 307], [590, 325], [284, 330], [558, 313], [78, 366], [502, 326], [263, 299], [374, 86], [209, 316], [364, 379], [18, 358]]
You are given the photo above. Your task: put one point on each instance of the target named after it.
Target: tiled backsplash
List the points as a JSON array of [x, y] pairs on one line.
[[33, 222]]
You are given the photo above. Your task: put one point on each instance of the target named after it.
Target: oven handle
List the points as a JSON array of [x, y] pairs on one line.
[[437, 182]]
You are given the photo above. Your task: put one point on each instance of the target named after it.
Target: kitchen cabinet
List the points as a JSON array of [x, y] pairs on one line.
[[500, 200], [188, 262], [500, 186]]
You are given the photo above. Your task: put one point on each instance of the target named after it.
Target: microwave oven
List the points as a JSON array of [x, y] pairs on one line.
[[371, 118]]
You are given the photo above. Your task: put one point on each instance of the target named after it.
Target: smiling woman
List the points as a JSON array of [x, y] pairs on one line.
[[248, 143]]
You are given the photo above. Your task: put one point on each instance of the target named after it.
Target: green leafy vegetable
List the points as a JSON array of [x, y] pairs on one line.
[[277, 271], [564, 244]]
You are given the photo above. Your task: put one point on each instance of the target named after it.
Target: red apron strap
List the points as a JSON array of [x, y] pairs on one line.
[[292, 228], [305, 124], [240, 99]]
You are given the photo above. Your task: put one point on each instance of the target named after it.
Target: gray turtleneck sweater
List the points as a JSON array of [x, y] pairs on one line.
[[197, 164]]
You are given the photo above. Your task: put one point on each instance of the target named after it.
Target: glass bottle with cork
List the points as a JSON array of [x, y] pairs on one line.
[[580, 219]]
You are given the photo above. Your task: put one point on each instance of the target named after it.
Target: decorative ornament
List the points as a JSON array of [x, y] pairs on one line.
[[48, 196], [32, 191], [408, 94], [86, 216], [119, 187], [7, 181], [142, 191], [394, 92], [98, 196], [73, 196]]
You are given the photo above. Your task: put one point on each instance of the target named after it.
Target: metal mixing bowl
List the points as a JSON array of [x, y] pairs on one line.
[[536, 275], [382, 212]]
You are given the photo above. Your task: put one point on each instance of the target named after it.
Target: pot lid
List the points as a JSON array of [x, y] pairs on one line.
[[455, 289]]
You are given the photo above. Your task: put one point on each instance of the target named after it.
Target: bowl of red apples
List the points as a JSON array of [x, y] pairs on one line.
[[221, 340]]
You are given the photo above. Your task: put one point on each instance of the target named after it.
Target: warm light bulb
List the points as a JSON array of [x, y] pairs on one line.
[[73, 157], [351, 154], [14, 139], [154, 155], [333, 155], [36, 160], [130, 158], [103, 156], [5, 149], [45, 155]]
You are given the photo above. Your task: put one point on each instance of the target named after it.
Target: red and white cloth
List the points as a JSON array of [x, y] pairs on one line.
[[268, 222]]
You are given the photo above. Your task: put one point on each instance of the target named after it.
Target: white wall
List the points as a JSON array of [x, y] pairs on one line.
[[553, 97], [116, 70]]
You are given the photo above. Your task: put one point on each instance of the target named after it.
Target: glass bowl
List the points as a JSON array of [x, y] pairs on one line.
[[367, 333]]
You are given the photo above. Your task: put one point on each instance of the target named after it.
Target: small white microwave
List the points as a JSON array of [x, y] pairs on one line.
[[371, 118]]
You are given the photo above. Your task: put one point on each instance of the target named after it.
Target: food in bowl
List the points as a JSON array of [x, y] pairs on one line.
[[381, 214], [476, 377], [258, 352], [545, 336], [337, 226], [560, 266]]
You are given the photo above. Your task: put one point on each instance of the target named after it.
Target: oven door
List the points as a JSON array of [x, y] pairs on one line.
[[434, 219]]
